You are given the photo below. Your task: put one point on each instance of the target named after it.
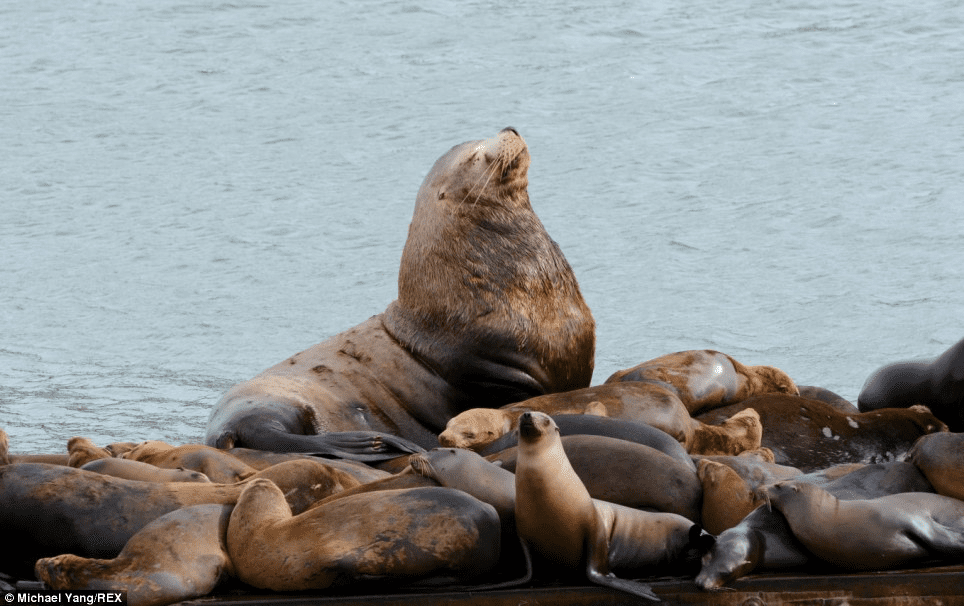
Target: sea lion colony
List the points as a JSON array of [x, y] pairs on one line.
[[323, 471]]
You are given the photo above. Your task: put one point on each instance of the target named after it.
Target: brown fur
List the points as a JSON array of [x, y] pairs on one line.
[[706, 379], [810, 435], [4, 448], [727, 498], [741, 432], [221, 467], [82, 451]]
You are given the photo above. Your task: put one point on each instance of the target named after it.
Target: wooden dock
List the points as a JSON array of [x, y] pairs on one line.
[[912, 587]]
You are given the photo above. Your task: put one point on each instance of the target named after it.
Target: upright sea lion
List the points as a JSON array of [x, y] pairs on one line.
[[4, 448], [811, 435], [873, 534], [626, 473], [706, 379], [180, 555], [650, 404], [399, 535], [488, 313], [937, 384], [556, 516]]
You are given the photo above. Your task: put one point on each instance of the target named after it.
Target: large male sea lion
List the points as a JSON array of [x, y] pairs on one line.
[[560, 521], [937, 384], [488, 313], [872, 534], [396, 535], [705, 378]]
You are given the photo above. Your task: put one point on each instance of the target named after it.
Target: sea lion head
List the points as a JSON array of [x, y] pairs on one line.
[[490, 172], [475, 428], [732, 556], [535, 427], [773, 379]]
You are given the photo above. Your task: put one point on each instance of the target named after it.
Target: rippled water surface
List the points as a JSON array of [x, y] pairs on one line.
[[192, 191]]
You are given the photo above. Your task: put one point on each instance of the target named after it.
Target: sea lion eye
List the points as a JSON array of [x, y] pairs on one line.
[[441, 195]]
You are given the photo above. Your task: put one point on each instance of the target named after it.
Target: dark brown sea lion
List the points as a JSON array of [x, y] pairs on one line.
[[937, 384], [561, 522], [395, 535], [51, 510], [872, 534], [940, 457], [650, 404], [762, 540], [707, 379], [811, 435], [825, 395], [179, 556], [488, 313]]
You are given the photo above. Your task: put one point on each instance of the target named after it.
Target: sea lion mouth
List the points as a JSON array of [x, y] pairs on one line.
[[527, 427]]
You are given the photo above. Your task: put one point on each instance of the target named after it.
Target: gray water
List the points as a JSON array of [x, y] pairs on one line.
[[193, 191]]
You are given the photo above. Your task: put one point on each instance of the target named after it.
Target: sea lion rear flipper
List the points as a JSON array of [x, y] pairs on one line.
[[365, 446], [597, 566], [942, 540]]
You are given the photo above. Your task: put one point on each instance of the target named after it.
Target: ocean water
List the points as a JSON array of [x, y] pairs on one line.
[[192, 191]]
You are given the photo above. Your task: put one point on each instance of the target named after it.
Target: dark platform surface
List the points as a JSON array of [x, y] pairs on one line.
[[932, 586]]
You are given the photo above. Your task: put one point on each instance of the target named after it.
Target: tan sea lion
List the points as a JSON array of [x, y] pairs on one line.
[[488, 313], [81, 451], [873, 534], [811, 435], [937, 384], [143, 472], [626, 473], [221, 467], [50, 509], [762, 540], [262, 459], [4, 448], [707, 379], [398, 535], [556, 516], [180, 555], [940, 457], [658, 406], [727, 498]]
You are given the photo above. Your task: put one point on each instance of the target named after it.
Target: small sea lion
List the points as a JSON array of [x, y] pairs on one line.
[[51, 509], [143, 472], [761, 541], [593, 425], [178, 556], [873, 534], [398, 535], [81, 451], [650, 404], [937, 384], [262, 459], [626, 473], [488, 312], [221, 467], [727, 498], [706, 379], [558, 518], [4, 448], [940, 457]]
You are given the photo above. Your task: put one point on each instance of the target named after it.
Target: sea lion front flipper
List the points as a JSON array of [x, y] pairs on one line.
[[597, 565], [945, 541]]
